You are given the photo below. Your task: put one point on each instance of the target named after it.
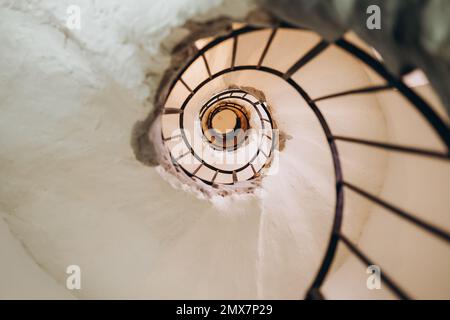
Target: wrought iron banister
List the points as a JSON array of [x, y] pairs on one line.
[[438, 232]]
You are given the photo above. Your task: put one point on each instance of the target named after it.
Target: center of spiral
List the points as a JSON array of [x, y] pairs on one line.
[[226, 140], [224, 124], [224, 121]]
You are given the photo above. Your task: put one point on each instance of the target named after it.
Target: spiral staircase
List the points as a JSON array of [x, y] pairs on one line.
[[338, 165], [333, 80]]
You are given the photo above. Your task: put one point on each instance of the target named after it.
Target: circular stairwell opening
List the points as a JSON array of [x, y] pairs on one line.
[[228, 142], [225, 125]]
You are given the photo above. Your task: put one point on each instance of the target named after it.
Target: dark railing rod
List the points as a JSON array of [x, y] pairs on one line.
[[182, 156], [210, 45], [207, 66], [186, 85], [392, 147], [315, 294], [172, 111], [432, 117], [395, 288], [235, 179], [356, 91], [233, 54], [418, 222], [172, 138], [314, 52], [266, 48], [334, 240], [189, 174], [262, 151], [214, 177], [197, 169]]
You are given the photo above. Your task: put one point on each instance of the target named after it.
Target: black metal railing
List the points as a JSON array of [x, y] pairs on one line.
[[341, 185]]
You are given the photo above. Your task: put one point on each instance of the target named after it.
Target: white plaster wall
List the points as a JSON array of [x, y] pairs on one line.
[[20, 276]]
